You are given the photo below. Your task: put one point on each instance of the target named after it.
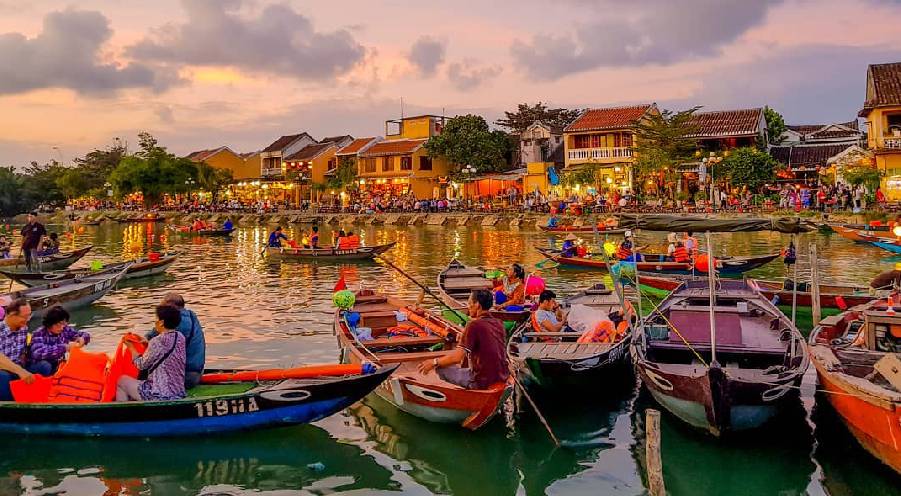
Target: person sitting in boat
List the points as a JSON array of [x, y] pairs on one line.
[[228, 225], [680, 253], [549, 317], [163, 362], [691, 244], [345, 242], [50, 245], [276, 237], [195, 341], [511, 290], [313, 238], [484, 344], [198, 225], [14, 337], [340, 238], [552, 221], [353, 240], [625, 251], [5, 247], [55, 337], [569, 248]]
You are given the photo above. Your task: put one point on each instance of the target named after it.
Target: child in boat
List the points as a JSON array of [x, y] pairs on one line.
[[511, 294], [54, 338], [163, 362]]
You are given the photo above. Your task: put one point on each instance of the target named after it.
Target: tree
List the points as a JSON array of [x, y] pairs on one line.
[[746, 167], [775, 125], [526, 115], [662, 142], [345, 174], [862, 174], [211, 179], [467, 140], [93, 171], [13, 201], [153, 171], [40, 183]]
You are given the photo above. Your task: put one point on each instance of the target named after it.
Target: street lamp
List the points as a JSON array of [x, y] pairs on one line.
[[469, 170], [109, 190], [708, 164]]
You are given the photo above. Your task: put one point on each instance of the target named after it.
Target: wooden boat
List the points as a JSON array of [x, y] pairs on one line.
[[56, 261], [457, 281], [187, 231], [556, 360], [726, 266], [853, 353], [424, 396], [831, 295], [141, 267], [286, 253], [581, 229], [90, 222], [888, 245], [762, 355], [223, 408], [71, 293], [855, 235], [145, 218]]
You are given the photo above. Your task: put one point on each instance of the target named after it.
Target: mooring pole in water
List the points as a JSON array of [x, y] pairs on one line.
[[711, 281], [816, 311], [795, 282], [656, 487]]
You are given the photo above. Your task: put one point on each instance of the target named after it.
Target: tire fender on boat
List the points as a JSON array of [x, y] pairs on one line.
[[426, 394], [286, 395]]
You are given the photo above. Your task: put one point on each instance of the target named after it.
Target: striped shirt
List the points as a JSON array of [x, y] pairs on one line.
[[46, 345], [12, 343]]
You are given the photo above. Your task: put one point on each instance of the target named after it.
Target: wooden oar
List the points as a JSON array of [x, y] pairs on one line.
[[425, 290]]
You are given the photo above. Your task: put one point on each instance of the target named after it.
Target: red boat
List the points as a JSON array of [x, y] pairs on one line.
[[855, 355], [854, 234], [602, 229], [431, 336]]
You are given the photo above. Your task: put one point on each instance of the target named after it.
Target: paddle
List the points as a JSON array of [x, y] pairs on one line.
[[455, 311]]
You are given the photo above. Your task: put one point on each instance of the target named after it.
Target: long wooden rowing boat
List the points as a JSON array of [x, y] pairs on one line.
[[423, 395], [457, 281], [241, 405], [855, 235], [141, 267], [47, 262], [71, 293], [831, 295], [726, 266], [889, 245], [187, 231], [762, 354], [848, 351], [555, 360], [146, 218], [286, 253], [580, 229]]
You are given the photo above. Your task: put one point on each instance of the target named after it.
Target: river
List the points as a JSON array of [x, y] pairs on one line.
[[257, 313]]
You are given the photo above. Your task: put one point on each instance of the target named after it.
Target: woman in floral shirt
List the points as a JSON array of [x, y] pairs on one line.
[[164, 362]]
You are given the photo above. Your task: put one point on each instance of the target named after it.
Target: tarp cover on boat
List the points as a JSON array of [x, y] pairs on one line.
[[660, 222]]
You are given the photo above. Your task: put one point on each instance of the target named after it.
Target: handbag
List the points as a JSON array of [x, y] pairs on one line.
[[144, 374]]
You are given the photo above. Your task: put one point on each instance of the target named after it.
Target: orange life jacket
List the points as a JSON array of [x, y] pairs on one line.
[[353, 241], [623, 253], [122, 364], [680, 254], [344, 243], [80, 379]]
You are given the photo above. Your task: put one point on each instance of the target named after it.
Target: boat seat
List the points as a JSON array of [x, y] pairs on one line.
[[467, 283], [720, 348], [564, 351], [403, 341]]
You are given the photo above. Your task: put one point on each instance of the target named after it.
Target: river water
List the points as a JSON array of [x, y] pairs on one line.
[[257, 314]]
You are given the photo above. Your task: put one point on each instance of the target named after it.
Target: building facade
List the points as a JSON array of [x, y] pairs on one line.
[[882, 111], [224, 158], [272, 164]]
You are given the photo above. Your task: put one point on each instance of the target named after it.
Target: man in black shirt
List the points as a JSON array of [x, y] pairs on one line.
[[31, 239]]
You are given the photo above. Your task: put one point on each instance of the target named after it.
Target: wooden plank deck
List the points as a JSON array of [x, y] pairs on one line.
[[564, 351]]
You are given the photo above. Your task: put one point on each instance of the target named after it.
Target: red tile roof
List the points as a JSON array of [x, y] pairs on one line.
[[886, 83], [806, 156], [608, 118], [201, 155], [393, 147], [727, 123], [355, 146], [309, 152], [283, 142]]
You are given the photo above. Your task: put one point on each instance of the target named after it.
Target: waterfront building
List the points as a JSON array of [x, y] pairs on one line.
[[399, 164], [882, 111], [603, 141], [311, 164], [224, 158], [272, 164]]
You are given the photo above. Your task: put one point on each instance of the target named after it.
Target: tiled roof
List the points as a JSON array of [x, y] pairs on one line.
[[355, 146], [806, 156], [335, 139], [281, 143], [822, 130], [201, 155], [726, 123], [608, 118], [309, 152], [393, 147], [886, 81]]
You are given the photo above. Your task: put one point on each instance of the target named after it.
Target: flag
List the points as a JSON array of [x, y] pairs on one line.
[[340, 285]]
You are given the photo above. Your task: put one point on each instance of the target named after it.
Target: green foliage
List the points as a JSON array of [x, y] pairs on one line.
[[662, 142], [152, 171], [775, 125], [526, 115], [746, 167], [586, 175], [467, 140], [864, 174], [211, 179], [345, 175], [91, 172], [40, 183], [13, 201]]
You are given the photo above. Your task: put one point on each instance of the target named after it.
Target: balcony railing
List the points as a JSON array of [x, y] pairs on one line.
[[891, 142], [276, 171], [588, 154]]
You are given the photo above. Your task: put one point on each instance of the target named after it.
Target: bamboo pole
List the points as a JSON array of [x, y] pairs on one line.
[[816, 311], [711, 281], [795, 282], [656, 486]]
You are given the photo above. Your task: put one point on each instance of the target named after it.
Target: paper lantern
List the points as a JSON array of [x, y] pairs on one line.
[[897, 231], [534, 285]]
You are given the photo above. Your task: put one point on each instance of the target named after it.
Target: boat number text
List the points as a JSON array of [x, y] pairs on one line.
[[219, 408], [100, 286]]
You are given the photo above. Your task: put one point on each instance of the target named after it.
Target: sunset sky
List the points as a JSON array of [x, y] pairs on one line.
[[203, 73]]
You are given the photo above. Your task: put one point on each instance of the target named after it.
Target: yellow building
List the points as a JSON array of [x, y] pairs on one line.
[[399, 164], [603, 139], [224, 158], [882, 110]]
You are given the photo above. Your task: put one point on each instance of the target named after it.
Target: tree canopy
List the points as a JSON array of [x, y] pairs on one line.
[[152, 171], [775, 125], [467, 140], [746, 167], [525, 115], [662, 142]]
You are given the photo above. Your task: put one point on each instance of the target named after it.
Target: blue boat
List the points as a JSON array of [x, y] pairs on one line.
[[208, 410], [888, 245]]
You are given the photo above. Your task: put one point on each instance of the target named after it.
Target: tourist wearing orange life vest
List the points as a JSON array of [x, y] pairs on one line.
[[627, 251], [353, 240], [680, 253], [691, 243]]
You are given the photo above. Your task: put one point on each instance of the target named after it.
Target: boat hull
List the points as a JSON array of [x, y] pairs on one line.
[[47, 263], [307, 254], [571, 374], [147, 269], [728, 267], [887, 246], [292, 402]]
